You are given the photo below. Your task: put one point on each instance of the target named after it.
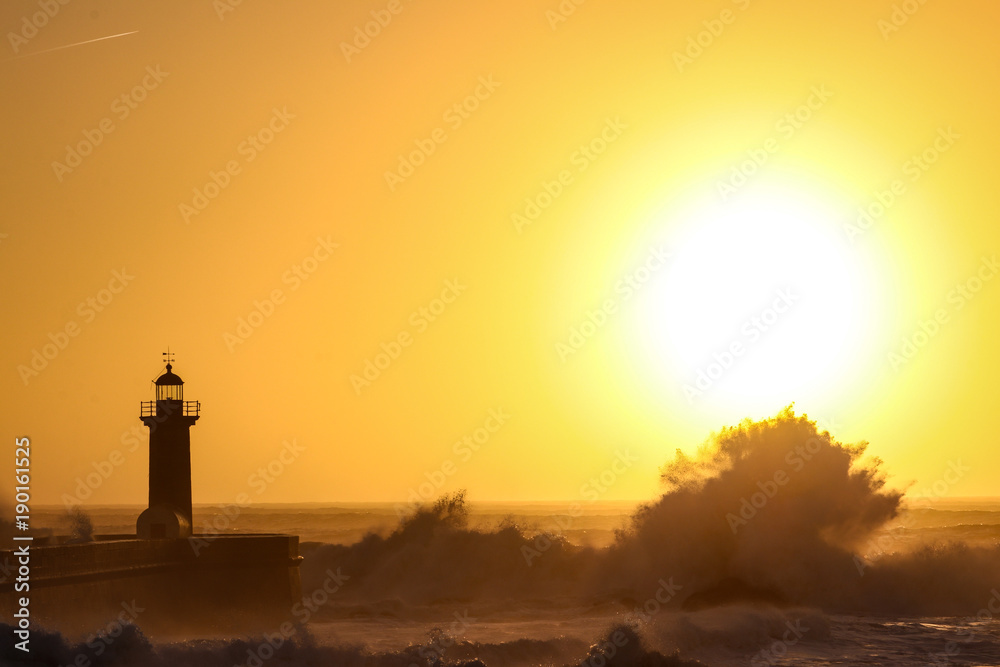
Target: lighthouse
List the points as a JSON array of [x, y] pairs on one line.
[[169, 419]]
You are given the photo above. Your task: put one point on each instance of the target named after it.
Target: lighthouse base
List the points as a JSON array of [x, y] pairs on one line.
[[162, 522]]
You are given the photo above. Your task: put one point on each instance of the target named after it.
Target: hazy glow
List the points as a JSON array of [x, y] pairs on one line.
[[591, 121], [764, 299]]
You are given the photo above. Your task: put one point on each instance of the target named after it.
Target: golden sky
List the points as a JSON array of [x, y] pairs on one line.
[[510, 247]]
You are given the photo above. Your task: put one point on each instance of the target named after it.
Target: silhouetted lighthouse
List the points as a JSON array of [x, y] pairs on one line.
[[169, 419]]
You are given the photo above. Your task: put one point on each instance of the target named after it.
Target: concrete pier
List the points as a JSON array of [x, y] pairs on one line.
[[229, 583]]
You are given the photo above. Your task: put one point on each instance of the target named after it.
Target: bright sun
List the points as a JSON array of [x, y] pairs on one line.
[[765, 301]]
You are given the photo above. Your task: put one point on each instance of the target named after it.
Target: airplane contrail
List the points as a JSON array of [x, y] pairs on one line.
[[68, 46]]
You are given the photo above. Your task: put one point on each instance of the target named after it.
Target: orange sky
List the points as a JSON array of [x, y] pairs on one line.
[[559, 223]]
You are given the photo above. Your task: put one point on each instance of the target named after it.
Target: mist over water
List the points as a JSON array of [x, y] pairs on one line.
[[774, 506], [770, 511], [773, 541]]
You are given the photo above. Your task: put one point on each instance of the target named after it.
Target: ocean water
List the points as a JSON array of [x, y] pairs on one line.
[[559, 629], [975, 521], [347, 523], [773, 545]]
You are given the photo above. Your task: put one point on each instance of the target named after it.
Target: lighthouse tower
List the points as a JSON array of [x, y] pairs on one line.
[[169, 419]]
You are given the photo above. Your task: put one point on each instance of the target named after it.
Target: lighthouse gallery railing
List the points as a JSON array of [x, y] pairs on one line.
[[187, 408]]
